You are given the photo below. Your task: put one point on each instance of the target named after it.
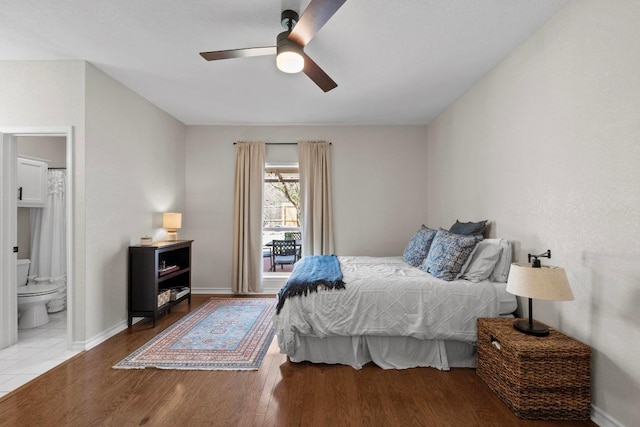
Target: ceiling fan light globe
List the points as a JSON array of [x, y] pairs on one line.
[[290, 62]]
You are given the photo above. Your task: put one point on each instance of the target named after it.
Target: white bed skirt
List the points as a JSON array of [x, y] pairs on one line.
[[386, 352]]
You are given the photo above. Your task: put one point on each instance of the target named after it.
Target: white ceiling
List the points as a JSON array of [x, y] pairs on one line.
[[395, 62]]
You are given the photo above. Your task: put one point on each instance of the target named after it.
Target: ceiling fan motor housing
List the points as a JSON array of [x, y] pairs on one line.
[[289, 54]]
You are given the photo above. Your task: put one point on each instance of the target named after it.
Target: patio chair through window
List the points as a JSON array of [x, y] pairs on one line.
[[295, 235], [284, 252]]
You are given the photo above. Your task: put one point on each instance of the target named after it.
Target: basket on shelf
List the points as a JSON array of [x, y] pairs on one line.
[[164, 296]]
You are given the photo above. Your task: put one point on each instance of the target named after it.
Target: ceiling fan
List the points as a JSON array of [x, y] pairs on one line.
[[290, 43]]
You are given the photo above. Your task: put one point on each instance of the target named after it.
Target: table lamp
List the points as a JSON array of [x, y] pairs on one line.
[[534, 280], [172, 222]]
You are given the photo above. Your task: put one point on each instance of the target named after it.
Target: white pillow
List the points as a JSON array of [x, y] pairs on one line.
[[500, 272], [481, 262]]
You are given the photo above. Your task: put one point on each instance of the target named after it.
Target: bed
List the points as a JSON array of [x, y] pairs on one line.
[[393, 314]]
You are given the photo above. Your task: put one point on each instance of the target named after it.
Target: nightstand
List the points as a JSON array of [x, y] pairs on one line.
[[536, 377]]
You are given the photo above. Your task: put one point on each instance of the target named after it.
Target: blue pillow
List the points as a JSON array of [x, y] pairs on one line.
[[448, 254], [469, 228], [418, 247]]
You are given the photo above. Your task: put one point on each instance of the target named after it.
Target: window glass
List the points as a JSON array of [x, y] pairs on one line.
[[281, 208]]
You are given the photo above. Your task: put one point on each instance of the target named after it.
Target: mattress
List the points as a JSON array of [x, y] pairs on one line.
[[385, 297], [507, 303]]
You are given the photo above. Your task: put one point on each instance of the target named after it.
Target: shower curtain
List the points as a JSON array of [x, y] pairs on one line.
[[48, 240]]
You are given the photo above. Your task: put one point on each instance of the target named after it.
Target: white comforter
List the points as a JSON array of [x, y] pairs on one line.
[[385, 296]]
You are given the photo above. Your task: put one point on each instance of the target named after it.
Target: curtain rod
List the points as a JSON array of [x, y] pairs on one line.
[[281, 143]]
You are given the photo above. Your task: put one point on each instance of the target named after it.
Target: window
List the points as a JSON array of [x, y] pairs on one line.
[[281, 210]]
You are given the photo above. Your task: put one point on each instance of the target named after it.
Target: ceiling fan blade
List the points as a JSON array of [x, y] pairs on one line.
[[313, 18], [238, 53], [315, 73]]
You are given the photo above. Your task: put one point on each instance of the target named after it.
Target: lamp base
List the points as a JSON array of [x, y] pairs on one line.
[[536, 328], [172, 236]]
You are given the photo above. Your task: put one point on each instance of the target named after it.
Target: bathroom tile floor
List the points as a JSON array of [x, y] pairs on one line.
[[37, 351]]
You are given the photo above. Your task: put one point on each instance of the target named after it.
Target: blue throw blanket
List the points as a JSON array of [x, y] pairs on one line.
[[309, 273]]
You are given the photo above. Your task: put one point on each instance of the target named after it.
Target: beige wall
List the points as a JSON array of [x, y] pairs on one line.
[[128, 168], [547, 147], [379, 187], [134, 172]]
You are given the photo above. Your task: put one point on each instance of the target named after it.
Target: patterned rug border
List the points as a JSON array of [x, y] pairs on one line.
[[255, 342]]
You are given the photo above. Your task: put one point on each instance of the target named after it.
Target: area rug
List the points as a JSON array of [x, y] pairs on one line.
[[223, 334]]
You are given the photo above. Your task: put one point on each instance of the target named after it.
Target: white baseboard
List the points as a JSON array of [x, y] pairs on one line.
[[100, 338], [270, 285], [603, 419], [225, 291], [210, 290]]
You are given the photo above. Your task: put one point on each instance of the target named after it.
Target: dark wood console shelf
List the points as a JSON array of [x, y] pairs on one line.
[[146, 283]]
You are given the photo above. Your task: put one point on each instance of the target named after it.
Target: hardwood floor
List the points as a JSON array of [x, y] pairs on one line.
[[86, 391]]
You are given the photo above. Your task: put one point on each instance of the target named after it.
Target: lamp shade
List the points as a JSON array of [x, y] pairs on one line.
[[546, 282], [171, 220]]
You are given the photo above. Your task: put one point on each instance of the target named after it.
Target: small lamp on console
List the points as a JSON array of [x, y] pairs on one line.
[[172, 222], [534, 280]]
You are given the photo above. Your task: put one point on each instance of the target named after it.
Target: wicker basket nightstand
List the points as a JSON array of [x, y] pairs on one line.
[[536, 377]]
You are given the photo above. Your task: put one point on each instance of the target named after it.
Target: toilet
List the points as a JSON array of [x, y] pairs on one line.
[[32, 299]]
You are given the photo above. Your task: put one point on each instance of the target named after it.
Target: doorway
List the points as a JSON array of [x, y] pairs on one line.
[[9, 247]]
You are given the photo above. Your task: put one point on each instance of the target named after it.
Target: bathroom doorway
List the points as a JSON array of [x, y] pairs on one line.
[[19, 235]]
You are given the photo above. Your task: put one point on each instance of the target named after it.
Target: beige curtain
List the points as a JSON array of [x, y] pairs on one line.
[[314, 159], [247, 217]]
